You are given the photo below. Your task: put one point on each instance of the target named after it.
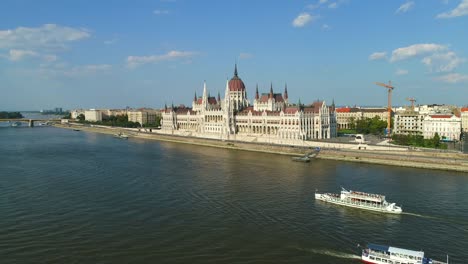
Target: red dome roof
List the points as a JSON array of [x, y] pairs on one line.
[[236, 84]]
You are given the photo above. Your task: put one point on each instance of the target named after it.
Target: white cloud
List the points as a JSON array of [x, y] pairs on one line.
[[244, 55], [415, 50], [303, 19], [326, 27], [46, 36], [19, 54], [317, 5], [442, 62], [453, 78], [460, 10], [161, 12], [134, 61], [378, 56], [63, 69], [405, 7], [333, 5], [401, 72], [110, 41]]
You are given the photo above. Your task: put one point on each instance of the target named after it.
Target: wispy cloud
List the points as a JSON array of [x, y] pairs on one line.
[[333, 5], [460, 10], [245, 55], [443, 62], [161, 12], [453, 78], [317, 5], [378, 56], [135, 61], [110, 41], [405, 7], [303, 19], [401, 72], [415, 50], [65, 70], [46, 36], [326, 27], [20, 54]]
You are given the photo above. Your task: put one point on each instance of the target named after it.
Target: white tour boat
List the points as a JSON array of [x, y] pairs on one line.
[[378, 254], [368, 201]]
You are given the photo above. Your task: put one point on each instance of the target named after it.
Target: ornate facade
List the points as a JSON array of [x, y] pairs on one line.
[[271, 117]]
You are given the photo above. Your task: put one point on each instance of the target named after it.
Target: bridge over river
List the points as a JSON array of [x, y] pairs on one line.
[[28, 120]]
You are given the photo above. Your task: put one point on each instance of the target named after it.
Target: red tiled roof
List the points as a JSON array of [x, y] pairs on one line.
[[236, 84], [343, 110], [464, 109], [291, 110], [199, 100], [441, 116]]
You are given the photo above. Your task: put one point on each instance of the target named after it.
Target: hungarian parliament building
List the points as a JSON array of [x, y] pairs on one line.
[[271, 119]]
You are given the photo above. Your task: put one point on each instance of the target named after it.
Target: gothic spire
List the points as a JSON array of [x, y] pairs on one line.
[[235, 70], [271, 90], [285, 91], [219, 97], [195, 97], [256, 93]]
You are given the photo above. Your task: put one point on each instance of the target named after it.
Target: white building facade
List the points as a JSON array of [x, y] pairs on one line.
[[270, 117], [93, 115], [408, 122], [447, 126], [464, 119]]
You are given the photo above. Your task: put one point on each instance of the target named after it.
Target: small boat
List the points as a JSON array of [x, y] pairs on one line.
[[16, 124], [76, 129], [314, 153], [378, 254], [362, 200], [121, 135], [301, 159]]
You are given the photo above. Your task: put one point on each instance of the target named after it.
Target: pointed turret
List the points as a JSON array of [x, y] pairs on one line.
[[226, 93], [219, 98], [204, 90], [235, 70], [286, 92], [271, 91], [256, 93], [195, 97]]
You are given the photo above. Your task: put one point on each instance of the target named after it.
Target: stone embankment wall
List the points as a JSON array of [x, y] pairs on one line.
[[335, 151]]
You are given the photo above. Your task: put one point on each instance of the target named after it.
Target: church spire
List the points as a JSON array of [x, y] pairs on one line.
[[285, 91], [271, 90], [256, 93], [204, 90], [235, 70]]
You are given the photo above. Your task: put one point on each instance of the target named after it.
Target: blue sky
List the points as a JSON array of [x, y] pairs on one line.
[[113, 54]]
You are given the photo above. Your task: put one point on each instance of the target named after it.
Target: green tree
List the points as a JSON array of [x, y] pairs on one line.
[[80, 118]]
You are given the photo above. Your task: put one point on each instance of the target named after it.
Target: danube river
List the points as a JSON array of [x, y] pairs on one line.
[[76, 197]]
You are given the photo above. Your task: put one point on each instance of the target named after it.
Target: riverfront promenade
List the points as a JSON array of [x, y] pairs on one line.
[[391, 157]]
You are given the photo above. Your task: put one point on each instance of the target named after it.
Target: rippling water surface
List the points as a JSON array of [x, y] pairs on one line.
[[78, 197]]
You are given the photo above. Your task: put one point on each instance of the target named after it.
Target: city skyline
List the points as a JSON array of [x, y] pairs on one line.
[[92, 55]]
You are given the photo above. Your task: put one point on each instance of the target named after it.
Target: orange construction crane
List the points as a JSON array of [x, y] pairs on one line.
[[389, 119], [412, 100]]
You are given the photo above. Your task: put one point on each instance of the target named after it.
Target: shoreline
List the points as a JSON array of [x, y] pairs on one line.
[[413, 159]]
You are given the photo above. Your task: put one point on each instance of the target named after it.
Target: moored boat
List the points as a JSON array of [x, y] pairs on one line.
[[121, 135], [379, 254], [362, 200], [301, 159]]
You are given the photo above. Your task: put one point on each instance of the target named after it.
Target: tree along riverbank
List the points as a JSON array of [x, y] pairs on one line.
[[414, 159]]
